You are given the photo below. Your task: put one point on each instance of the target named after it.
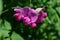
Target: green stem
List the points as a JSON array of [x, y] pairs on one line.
[[30, 2]]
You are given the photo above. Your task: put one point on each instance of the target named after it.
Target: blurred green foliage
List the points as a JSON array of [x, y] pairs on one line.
[[1, 6], [10, 29]]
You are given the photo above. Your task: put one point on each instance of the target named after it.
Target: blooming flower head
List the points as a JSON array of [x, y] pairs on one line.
[[30, 16]]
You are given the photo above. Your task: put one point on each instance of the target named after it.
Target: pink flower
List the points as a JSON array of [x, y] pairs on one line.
[[30, 16], [33, 25]]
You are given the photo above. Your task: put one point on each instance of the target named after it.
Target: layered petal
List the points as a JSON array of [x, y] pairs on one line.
[[34, 19], [31, 14], [26, 20], [26, 11], [17, 10], [17, 16]]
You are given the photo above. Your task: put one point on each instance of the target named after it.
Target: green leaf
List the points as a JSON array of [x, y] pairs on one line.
[[15, 36], [58, 2], [6, 25], [0, 6], [51, 3], [39, 1], [43, 26], [1, 36], [4, 32], [31, 5], [58, 10], [0, 22], [57, 25], [43, 1], [7, 39], [52, 14]]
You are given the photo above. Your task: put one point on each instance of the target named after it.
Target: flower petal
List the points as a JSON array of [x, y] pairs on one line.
[[40, 18], [38, 10], [44, 14], [26, 20], [17, 16], [34, 19], [26, 11], [17, 10], [33, 25], [33, 16]]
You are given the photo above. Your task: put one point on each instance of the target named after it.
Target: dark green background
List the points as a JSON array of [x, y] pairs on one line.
[[10, 29]]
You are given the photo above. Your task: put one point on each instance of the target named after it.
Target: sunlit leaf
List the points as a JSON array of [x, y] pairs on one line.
[[51, 3], [4, 32], [15, 36], [58, 27], [7, 25], [58, 2], [58, 10]]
